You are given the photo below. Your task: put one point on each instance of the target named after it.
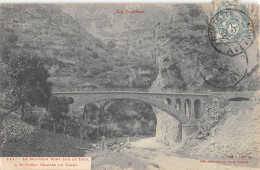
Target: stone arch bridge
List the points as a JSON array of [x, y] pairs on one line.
[[178, 105], [184, 107]]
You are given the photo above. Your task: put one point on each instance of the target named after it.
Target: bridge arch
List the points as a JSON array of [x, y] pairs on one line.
[[168, 101], [178, 104], [197, 109], [163, 107], [156, 102], [187, 108]]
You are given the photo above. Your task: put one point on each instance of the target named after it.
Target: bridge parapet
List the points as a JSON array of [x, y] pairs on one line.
[[230, 95]]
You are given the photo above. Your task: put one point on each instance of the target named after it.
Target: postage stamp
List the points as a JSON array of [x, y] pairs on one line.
[[231, 30]]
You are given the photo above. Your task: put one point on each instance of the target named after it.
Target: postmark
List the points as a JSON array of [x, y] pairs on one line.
[[231, 31], [222, 71]]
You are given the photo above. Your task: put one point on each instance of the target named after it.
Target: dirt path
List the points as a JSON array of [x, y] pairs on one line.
[[148, 154]]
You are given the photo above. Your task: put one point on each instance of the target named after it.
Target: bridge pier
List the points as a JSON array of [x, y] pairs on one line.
[[188, 130], [192, 110], [168, 129]]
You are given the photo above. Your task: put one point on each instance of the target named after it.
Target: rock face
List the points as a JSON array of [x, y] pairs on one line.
[[179, 42], [176, 42], [131, 33], [168, 129]]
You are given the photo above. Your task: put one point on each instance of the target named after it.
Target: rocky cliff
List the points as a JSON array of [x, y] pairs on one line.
[[179, 41], [131, 33]]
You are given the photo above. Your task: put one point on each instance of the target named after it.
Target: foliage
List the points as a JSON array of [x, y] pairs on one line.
[[73, 128], [26, 77], [15, 130], [33, 115], [58, 108], [110, 119], [46, 122], [45, 144]]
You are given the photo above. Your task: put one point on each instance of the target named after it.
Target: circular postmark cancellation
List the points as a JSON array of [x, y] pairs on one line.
[[231, 31], [222, 71]]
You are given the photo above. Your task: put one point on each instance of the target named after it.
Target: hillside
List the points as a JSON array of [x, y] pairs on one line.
[[76, 59], [236, 134], [53, 35], [131, 33]]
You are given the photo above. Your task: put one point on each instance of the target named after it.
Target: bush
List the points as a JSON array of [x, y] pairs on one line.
[[45, 144], [32, 116], [15, 130], [46, 122]]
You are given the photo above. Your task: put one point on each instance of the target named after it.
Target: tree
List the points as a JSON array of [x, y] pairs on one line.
[[26, 79], [58, 108], [95, 118], [103, 115]]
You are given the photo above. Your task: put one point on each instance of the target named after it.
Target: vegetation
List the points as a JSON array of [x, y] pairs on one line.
[[26, 90], [15, 129], [45, 144], [26, 79], [58, 108], [110, 119]]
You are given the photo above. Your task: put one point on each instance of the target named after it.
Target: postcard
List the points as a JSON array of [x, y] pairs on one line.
[[130, 86]]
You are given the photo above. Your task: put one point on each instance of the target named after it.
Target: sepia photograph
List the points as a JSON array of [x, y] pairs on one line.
[[129, 86]]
